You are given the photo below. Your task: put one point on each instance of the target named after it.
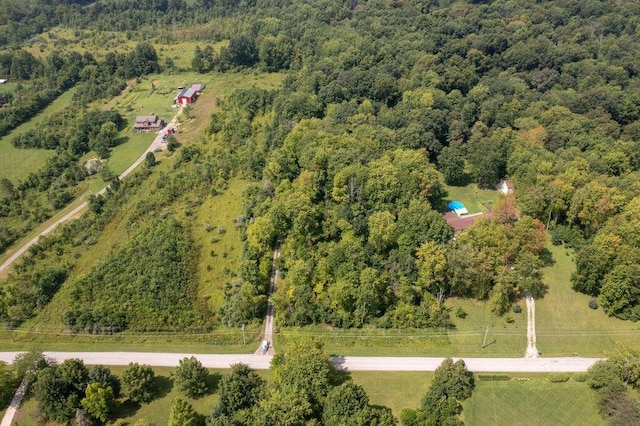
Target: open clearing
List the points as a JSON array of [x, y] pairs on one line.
[[16, 164], [564, 322], [533, 400], [475, 200]]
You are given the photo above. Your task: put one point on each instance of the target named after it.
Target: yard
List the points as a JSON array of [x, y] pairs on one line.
[[475, 200]]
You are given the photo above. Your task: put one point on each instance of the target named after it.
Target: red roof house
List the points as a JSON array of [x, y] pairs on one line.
[[460, 223]]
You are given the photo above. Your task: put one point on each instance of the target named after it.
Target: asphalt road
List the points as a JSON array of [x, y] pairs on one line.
[[349, 363]]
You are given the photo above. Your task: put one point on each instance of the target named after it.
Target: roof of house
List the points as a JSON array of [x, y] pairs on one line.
[[186, 93], [147, 118], [197, 87], [461, 223]]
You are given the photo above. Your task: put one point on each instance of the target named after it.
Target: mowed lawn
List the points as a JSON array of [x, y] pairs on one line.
[[564, 322], [16, 164], [475, 200], [533, 401]]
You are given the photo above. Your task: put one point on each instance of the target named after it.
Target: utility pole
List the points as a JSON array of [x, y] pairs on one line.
[[484, 342], [244, 338]]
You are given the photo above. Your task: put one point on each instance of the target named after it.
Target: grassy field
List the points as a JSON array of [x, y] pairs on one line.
[[533, 401], [475, 200], [526, 399], [564, 322], [16, 164], [221, 248], [396, 390]]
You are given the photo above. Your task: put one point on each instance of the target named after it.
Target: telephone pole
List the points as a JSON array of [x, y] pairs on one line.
[[484, 342]]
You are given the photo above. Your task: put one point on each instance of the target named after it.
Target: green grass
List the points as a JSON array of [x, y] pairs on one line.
[[221, 247], [16, 164], [534, 401], [475, 200], [564, 322], [396, 390]]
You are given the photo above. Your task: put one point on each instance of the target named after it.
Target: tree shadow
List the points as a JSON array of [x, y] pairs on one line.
[[163, 385], [126, 409], [546, 257], [212, 382], [341, 374]]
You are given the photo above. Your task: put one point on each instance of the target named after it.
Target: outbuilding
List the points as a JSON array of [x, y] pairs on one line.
[[186, 97]]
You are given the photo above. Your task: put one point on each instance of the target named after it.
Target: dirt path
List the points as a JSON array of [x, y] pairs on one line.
[[158, 143], [532, 351], [10, 414], [268, 321]]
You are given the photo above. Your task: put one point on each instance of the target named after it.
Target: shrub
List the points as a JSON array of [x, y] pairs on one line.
[[509, 319], [580, 377], [494, 377], [558, 377], [517, 309], [593, 303], [460, 313]]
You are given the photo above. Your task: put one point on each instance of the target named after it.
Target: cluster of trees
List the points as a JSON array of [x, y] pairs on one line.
[[610, 379], [156, 292], [305, 387], [452, 383]]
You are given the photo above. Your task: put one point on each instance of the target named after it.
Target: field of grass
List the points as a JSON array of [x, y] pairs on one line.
[[533, 401], [221, 248], [396, 390], [475, 200], [564, 322], [16, 164]]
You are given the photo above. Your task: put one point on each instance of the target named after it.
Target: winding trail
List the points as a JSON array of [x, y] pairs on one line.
[[269, 319], [156, 144], [532, 351]]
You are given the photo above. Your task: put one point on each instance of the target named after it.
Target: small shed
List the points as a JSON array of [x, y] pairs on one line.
[[148, 123], [3, 80], [186, 97], [505, 187], [198, 87]]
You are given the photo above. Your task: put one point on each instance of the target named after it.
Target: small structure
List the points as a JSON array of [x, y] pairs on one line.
[[198, 87], [186, 97], [505, 187], [457, 207], [148, 123], [3, 80]]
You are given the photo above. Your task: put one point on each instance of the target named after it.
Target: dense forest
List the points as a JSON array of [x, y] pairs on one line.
[[383, 105]]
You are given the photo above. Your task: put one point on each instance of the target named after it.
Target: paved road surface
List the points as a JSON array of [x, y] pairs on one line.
[[350, 363], [15, 404], [157, 143]]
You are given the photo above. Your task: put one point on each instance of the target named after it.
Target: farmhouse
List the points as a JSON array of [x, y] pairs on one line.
[[148, 123], [186, 97]]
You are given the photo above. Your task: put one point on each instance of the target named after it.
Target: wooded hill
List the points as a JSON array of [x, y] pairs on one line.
[[382, 106]]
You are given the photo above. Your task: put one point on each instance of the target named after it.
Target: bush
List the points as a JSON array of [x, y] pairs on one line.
[[517, 309], [509, 319], [460, 313], [593, 303], [580, 377], [494, 377], [558, 377]]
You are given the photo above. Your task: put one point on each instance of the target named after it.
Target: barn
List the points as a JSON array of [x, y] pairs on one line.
[[186, 97]]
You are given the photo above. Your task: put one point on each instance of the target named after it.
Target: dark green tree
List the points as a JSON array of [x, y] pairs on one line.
[[138, 383], [191, 377]]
